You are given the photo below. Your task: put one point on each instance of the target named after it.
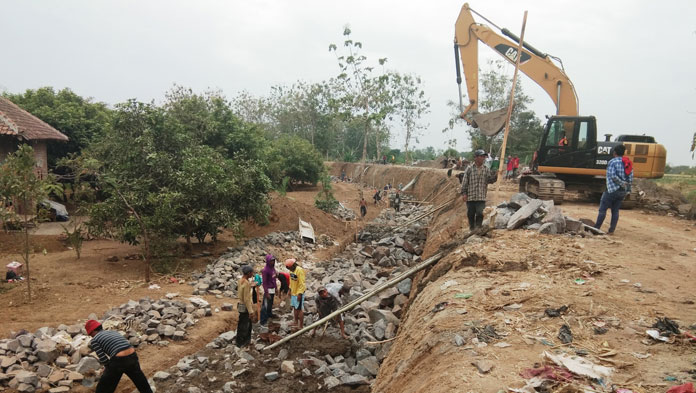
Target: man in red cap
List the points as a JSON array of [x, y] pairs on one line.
[[117, 356]]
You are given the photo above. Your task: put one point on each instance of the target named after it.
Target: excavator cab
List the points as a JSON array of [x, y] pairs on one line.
[[568, 142]]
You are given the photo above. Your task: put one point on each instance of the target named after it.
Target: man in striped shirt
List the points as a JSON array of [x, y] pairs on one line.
[[117, 356], [475, 183]]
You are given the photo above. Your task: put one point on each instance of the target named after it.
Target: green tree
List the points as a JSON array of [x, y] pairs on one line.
[[20, 185], [362, 94], [411, 105], [295, 158], [81, 119]]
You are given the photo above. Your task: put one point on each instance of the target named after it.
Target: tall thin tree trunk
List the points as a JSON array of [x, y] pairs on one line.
[[367, 133], [26, 249]]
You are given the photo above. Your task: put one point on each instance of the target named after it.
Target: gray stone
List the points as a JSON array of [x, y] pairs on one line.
[[534, 227], [555, 215], [168, 331], [380, 326], [229, 387], [684, 208], [573, 225], [161, 376], [526, 211], [47, 350], [354, 380], [26, 340], [272, 376], [43, 370], [26, 388], [227, 307], [62, 361], [194, 389], [14, 345], [502, 218], [59, 389], [375, 315], [283, 354], [27, 377], [549, 228], [458, 340], [7, 361], [331, 382], [370, 364], [380, 252], [386, 297], [404, 286], [519, 200]]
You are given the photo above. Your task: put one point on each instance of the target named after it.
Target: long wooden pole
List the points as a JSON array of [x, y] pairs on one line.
[[429, 212], [361, 299], [501, 160]]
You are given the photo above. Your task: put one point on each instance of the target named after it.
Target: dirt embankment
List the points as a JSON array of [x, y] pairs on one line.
[[614, 287]]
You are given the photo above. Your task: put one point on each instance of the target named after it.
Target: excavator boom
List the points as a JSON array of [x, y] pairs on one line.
[[533, 63]]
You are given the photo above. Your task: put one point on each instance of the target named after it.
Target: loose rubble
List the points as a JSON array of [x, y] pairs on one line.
[[328, 362], [525, 212]]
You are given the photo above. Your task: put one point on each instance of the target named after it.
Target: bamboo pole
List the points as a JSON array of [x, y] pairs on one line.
[[509, 112], [361, 299], [426, 214]]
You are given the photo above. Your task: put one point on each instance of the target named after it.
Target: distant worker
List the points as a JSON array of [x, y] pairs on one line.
[[244, 307], [475, 187], [297, 291], [619, 180], [329, 300], [256, 284], [397, 201], [363, 208], [563, 141], [117, 356], [510, 163], [515, 166], [377, 196], [343, 175], [393, 159]]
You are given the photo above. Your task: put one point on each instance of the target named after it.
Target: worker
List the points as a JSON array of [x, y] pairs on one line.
[[475, 187], [284, 290], [377, 196], [363, 207], [118, 357], [269, 276], [245, 308], [297, 291], [563, 141], [515, 166], [397, 200], [329, 301], [510, 163], [619, 180], [256, 284]]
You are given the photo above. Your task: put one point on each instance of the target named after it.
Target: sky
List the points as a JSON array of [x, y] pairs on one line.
[[633, 63]]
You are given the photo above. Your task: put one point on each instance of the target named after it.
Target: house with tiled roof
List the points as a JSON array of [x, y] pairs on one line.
[[18, 126]]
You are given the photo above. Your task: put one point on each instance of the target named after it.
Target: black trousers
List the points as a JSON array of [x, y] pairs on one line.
[[474, 212], [114, 370], [243, 330]]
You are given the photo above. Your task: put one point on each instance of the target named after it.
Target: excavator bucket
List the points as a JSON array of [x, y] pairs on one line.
[[490, 123]]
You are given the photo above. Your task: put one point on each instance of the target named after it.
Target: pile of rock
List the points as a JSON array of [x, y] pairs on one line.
[[155, 321], [220, 278], [381, 254], [525, 212], [51, 359], [54, 358], [344, 213]]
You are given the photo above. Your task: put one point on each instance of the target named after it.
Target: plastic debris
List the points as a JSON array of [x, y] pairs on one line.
[[439, 307], [555, 312], [463, 295], [685, 388], [666, 326], [580, 281], [655, 335], [580, 366], [154, 286], [565, 335]]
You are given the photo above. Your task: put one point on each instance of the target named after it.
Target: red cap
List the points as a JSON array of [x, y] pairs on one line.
[[91, 325]]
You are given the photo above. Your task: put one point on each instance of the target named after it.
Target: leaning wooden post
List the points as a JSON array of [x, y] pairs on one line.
[[509, 112], [361, 299]]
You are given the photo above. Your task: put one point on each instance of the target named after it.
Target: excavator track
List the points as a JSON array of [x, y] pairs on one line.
[[543, 187]]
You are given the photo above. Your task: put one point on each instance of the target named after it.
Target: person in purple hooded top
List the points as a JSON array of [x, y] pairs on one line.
[[269, 277]]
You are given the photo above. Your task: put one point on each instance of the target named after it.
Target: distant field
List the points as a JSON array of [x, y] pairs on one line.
[[684, 183]]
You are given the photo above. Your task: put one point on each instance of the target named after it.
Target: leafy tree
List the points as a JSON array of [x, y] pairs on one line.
[[362, 95], [295, 158], [411, 104], [21, 186], [80, 119], [325, 200]]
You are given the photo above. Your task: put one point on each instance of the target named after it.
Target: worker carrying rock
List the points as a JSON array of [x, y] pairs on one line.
[[475, 181]]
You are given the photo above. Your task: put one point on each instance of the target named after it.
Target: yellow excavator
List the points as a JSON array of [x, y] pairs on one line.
[[569, 157]]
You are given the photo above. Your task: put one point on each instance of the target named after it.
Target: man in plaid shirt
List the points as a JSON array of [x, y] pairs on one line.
[[475, 186], [619, 179]]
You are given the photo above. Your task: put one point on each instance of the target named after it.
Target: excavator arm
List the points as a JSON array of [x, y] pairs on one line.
[[536, 65]]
